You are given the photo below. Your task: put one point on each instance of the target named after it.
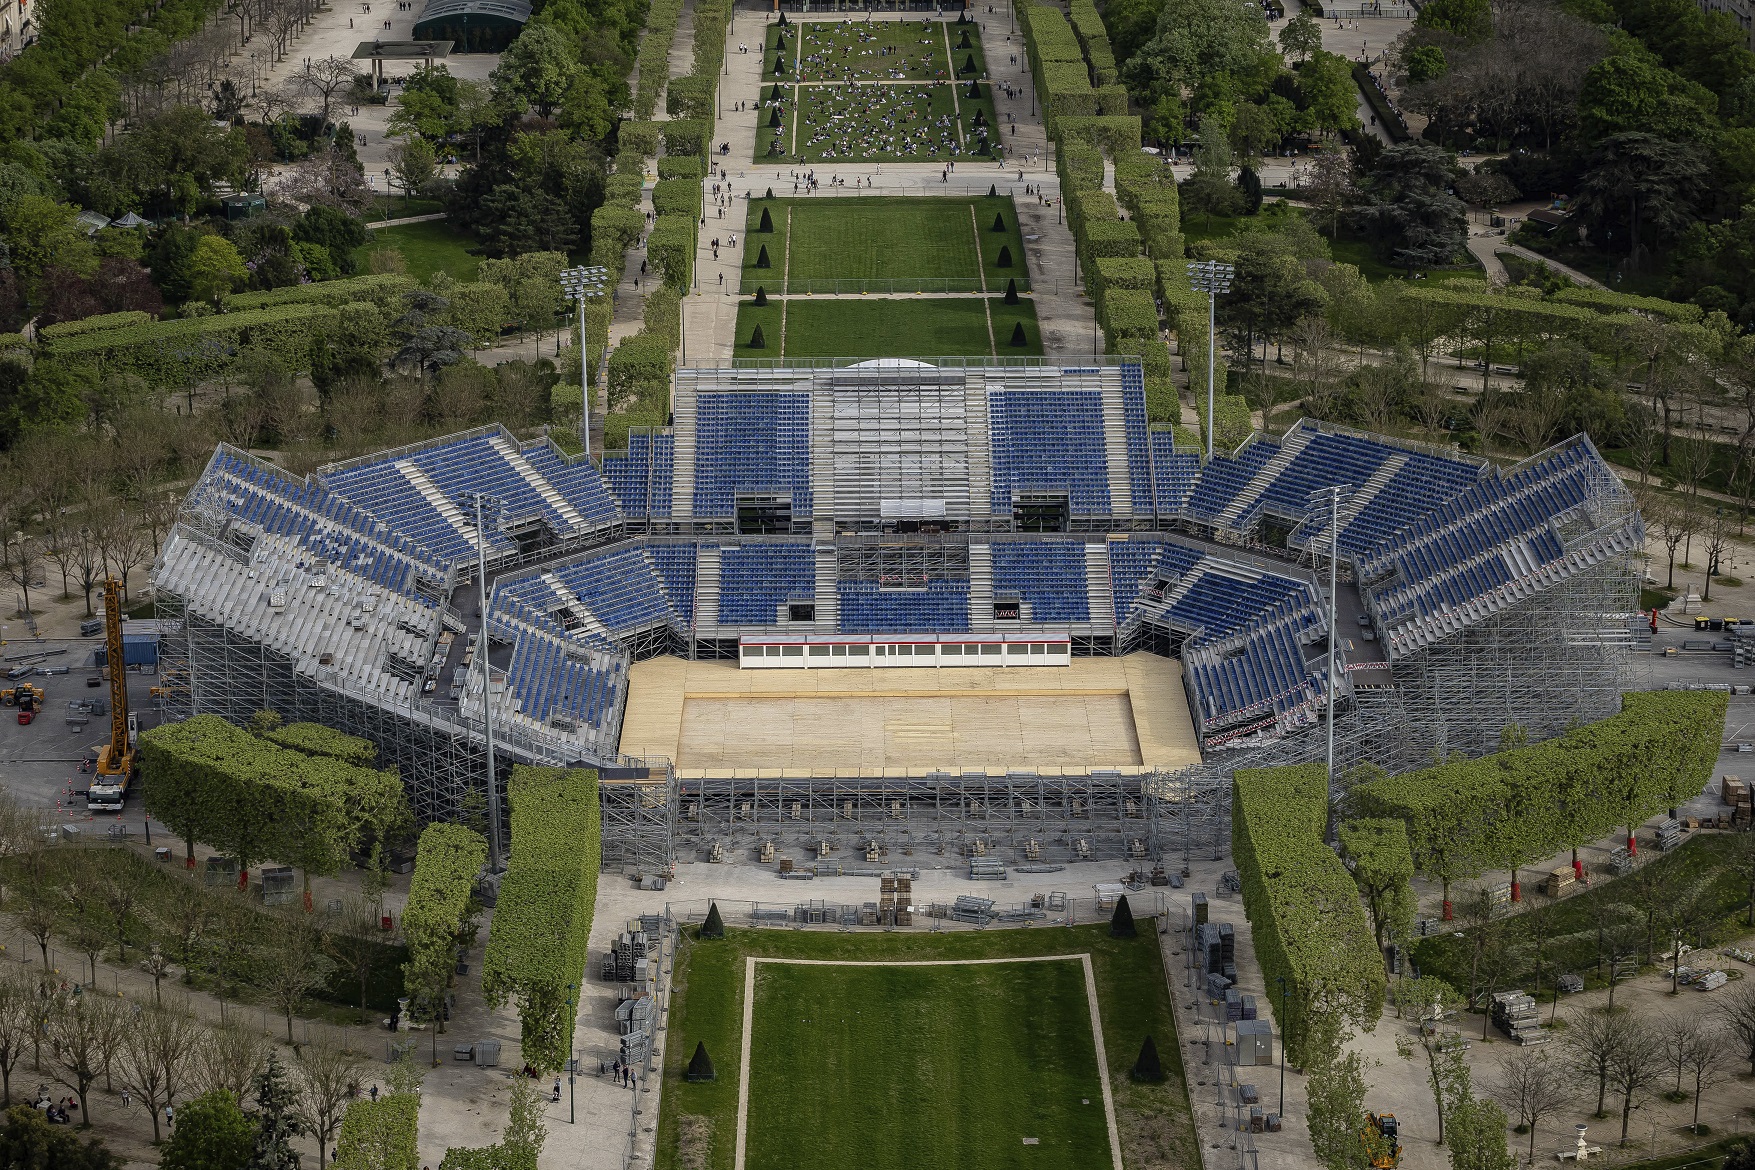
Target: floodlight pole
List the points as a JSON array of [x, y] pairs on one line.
[[1212, 278], [1332, 494], [487, 685], [1212, 344]]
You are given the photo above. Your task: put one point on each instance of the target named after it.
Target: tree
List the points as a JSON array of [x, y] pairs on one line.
[[1121, 922], [154, 1057], [1477, 1131], [1328, 183], [294, 964], [714, 926], [215, 269], [1383, 868], [1634, 1069], [413, 163], [1637, 186], [1330, 94], [320, 81], [1593, 1039], [18, 1025], [276, 1123], [212, 1133], [29, 1142], [118, 888], [83, 1033], [525, 218], [228, 1059], [1532, 1087], [1412, 216], [1428, 1000], [1335, 1109], [1148, 1067], [1195, 40], [1705, 1058], [537, 69], [348, 938], [1737, 1013], [327, 1072], [1301, 37]]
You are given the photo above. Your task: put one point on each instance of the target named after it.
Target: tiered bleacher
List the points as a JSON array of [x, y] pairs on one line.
[[640, 477], [760, 443], [755, 580], [869, 608], [1049, 442], [1049, 575]]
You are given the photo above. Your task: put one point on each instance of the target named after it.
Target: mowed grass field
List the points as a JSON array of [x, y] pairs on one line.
[[872, 50], [875, 1064], [884, 244], [881, 1069], [434, 246], [919, 327]]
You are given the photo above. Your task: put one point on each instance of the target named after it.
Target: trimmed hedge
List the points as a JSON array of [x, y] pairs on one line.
[[1117, 272], [314, 739], [640, 137], [677, 197], [653, 59], [1116, 137], [1093, 39], [384, 291], [1502, 810], [1303, 908], [689, 97], [1605, 301], [1131, 316], [380, 1135], [212, 782], [542, 922], [171, 353], [682, 166], [686, 136], [92, 324], [621, 191], [445, 866], [670, 246]]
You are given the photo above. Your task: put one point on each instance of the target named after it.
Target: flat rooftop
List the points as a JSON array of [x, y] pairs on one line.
[[714, 720]]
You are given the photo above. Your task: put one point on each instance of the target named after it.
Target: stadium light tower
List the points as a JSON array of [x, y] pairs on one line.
[[1332, 496], [580, 283], [1211, 277], [492, 505]]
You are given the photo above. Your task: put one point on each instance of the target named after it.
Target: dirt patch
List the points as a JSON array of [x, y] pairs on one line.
[[1155, 1141], [694, 1141]]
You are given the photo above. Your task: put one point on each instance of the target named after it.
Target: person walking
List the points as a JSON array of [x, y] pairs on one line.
[[170, 1118]]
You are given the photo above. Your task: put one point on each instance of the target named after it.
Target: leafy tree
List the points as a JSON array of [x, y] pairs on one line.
[[43, 234], [1195, 40], [1331, 96], [1428, 1000], [1412, 216], [335, 230], [29, 1142], [1335, 1109], [1383, 867], [537, 69], [211, 1133], [1425, 63], [413, 164], [1477, 1130], [1631, 92], [215, 269], [1639, 187], [1469, 20], [1301, 37]]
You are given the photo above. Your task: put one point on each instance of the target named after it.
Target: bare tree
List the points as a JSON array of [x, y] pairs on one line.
[[228, 1057], [294, 964], [23, 565], [1737, 1011], [40, 916], [1531, 1086], [1706, 1060], [1635, 1070], [18, 1025], [185, 914], [155, 1057], [328, 1073], [117, 887], [83, 1032], [1592, 1042], [349, 939], [320, 81]]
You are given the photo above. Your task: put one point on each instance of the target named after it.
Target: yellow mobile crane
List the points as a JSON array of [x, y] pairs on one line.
[[115, 764]]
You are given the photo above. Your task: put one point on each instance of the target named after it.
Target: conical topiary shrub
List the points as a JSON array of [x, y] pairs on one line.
[[779, 65], [968, 64], [700, 1064], [964, 43], [1005, 257], [774, 117], [1019, 341], [974, 89], [1147, 1067], [761, 297], [783, 19], [1121, 922], [757, 341], [998, 222], [1011, 291], [779, 97], [714, 927], [767, 224], [992, 190], [770, 192], [780, 43], [986, 146], [762, 257]]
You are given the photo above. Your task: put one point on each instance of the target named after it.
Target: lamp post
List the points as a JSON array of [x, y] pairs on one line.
[[572, 1060], [480, 500], [1282, 1047], [1332, 495], [1211, 277], [580, 283]]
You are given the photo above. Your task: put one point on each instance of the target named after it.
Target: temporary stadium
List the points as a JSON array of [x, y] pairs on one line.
[[945, 607]]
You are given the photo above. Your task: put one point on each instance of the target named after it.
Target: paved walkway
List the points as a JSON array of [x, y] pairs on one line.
[[1487, 246]]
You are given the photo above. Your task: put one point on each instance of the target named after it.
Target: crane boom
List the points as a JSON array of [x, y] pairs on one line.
[[117, 760]]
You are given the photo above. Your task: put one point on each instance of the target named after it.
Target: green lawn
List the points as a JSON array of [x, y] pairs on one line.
[[1567, 929], [921, 327], [872, 50], [879, 1049], [434, 246], [914, 1069], [883, 244], [854, 124]]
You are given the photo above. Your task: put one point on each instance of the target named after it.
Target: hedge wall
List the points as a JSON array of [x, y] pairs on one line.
[[212, 782], [542, 922], [314, 739], [1115, 136], [640, 137], [1115, 272], [383, 291], [380, 1135], [621, 191], [1129, 319], [1503, 810], [1093, 39], [1303, 908], [92, 324], [445, 866], [686, 136], [682, 166], [167, 354], [653, 61]]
